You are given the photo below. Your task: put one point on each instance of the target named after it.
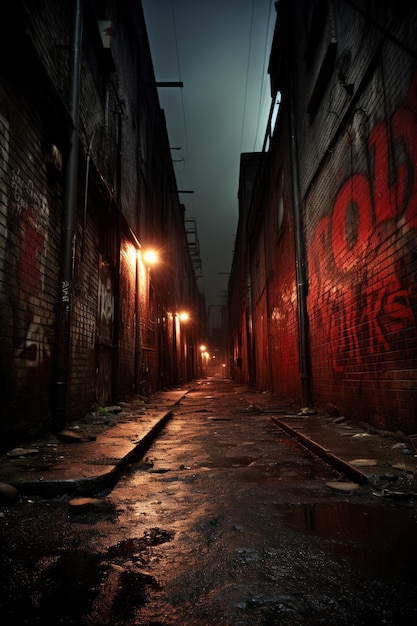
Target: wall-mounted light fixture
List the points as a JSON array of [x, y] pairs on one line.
[[150, 257]]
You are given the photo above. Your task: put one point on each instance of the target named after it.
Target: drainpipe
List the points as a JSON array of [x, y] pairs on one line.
[[117, 321], [303, 348], [68, 231]]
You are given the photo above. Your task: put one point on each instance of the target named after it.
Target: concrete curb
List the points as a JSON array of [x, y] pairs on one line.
[[88, 485], [93, 484], [339, 464]]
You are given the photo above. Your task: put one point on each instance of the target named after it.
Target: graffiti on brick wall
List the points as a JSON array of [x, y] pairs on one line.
[[361, 256], [105, 313], [35, 349], [29, 208]]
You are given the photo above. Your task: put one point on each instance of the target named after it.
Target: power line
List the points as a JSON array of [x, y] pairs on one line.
[[247, 74], [263, 83], [187, 154]]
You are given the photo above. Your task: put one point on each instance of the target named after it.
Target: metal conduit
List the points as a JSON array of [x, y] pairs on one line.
[[68, 228]]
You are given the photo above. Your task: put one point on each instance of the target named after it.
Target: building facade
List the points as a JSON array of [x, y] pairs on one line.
[[87, 187], [327, 244]]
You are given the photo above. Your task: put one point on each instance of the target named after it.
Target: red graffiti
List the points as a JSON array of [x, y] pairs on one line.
[[343, 332], [30, 273], [354, 255], [350, 240]]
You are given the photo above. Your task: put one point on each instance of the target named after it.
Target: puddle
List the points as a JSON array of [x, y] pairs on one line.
[[363, 534], [76, 586], [134, 547]]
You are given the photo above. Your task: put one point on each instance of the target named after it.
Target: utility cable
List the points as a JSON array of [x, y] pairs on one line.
[[247, 75], [182, 97], [263, 85]]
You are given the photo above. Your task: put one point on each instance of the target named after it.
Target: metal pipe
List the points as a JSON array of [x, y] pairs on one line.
[[304, 361], [300, 263], [68, 228]]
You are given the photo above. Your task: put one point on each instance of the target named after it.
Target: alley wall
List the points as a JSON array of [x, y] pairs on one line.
[[332, 224], [75, 344]]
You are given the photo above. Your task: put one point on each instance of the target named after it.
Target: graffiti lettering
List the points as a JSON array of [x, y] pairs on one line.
[[105, 302], [35, 349], [24, 196], [370, 215], [344, 333], [32, 209], [351, 222], [65, 295]]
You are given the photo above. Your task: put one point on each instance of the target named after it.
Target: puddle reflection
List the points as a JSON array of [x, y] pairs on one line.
[[380, 540]]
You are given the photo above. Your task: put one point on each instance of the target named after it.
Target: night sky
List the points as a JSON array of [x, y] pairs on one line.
[[220, 50]]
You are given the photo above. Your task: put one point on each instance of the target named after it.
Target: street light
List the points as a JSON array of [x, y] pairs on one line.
[[150, 257]]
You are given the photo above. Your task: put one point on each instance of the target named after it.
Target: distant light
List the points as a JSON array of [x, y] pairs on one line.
[[184, 317], [150, 257], [202, 348]]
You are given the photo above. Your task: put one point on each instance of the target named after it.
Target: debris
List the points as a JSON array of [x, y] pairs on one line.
[[118, 568], [307, 411], [342, 486], [393, 495], [8, 493], [364, 462], [69, 436], [79, 504], [22, 452], [113, 409], [413, 441], [408, 469]]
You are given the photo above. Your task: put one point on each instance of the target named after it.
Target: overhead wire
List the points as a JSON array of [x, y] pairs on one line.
[[247, 76], [187, 155], [263, 83]]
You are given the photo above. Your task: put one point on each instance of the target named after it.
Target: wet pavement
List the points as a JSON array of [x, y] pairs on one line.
[[93, 453], [223, 515]]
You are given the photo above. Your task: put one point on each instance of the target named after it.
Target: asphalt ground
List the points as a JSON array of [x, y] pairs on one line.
[[92, 453]]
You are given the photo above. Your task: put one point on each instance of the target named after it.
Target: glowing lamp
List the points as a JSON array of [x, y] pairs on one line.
[[150, 257]]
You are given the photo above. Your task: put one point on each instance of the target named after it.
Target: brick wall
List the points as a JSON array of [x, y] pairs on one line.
[[125, 178], [358, 163], [82, 384], [362, 295], [353, 77], [30, 211]]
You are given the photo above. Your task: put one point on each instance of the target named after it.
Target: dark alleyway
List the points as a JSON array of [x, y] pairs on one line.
[[225, 520]]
